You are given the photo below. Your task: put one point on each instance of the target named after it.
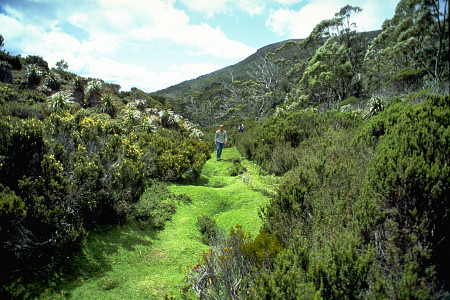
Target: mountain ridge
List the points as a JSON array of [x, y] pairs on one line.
[[223, 74], [239, 71]]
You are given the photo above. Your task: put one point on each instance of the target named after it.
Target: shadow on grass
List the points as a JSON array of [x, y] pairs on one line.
[[93, 262], [202, 180], [228, 160]]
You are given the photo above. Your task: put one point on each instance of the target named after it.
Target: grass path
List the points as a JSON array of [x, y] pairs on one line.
[[130, 262]]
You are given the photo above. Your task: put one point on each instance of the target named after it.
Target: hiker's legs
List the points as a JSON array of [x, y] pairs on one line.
[[219, 150]]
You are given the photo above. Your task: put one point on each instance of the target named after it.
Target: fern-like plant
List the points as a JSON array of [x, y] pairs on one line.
[[79, 84], [376, 106], [107, 105], [94, 88], [52, 80], [34, 75], [56, 102]]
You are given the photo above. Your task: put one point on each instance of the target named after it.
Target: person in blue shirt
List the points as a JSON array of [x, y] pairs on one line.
[[220, 140], [241, 128]]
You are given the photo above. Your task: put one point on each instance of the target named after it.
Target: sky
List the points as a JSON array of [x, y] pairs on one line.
[[153, 44]]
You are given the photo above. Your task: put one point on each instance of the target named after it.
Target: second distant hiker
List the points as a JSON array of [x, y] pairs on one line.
[[220, 140]]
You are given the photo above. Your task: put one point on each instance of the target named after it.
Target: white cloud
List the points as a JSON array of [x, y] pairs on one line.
[[130, 75], [35, 40], [114, 30], [299, 23], [211, 7], [288, 2], [212, 41], [158, 20], [207, 7], [78, 19]]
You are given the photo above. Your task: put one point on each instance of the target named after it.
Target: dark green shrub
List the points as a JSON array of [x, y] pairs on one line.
[[53, 81], [107, 283], [271, 146], [263, 249], [21, 150], [12, 208], [349, 100], [34, 76], [289, 209], [36, 60], [14, 61], [155, 207], [7, 94], [224, 269], [336, 269], [207, 227], [237, 167], [184, 198], [22, 111], [405, 204], [33, 96], [107, 106]]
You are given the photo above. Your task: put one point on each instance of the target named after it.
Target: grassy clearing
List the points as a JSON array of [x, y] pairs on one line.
[[132, 262]]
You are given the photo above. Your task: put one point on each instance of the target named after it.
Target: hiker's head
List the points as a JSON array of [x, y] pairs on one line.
[[221, 128]]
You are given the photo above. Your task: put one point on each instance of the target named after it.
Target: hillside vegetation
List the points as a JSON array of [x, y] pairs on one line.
[[351, 128]]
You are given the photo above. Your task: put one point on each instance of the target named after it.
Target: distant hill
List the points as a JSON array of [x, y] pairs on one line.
[[237, 71], [240, 70]]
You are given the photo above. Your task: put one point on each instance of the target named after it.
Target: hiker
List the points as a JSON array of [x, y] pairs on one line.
[[220, 140], [241, 128]]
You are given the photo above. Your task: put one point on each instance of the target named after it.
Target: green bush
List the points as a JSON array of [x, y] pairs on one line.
[[405, 204], [34, 76], [7, 94], [184, 198], [21, 149], [155, 207], [107, 283], [107, 106], [53, 81], [237, 168], [273, 145], [224, 269], [207, 227]]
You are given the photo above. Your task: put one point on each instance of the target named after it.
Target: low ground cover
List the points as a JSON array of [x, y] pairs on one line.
[[132, 262]]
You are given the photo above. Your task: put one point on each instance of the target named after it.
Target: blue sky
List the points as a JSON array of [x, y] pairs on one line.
[[153, 44]]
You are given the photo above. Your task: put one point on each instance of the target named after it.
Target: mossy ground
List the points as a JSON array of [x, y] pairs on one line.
[[133, 262]]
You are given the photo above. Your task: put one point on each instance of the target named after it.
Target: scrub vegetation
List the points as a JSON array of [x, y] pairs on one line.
[[338, 188]]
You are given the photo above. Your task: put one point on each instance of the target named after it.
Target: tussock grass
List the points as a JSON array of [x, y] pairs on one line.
[[133, 262]]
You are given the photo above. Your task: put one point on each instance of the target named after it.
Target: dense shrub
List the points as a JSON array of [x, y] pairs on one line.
[[237, 168], [232, 264], [76, 170], [405, 206], [365, 217], [7, 94], [34, 75], [21, 149], [53, 81], [36, 60], [207, 227], [155, 207], [14, 61], [272, 145]]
